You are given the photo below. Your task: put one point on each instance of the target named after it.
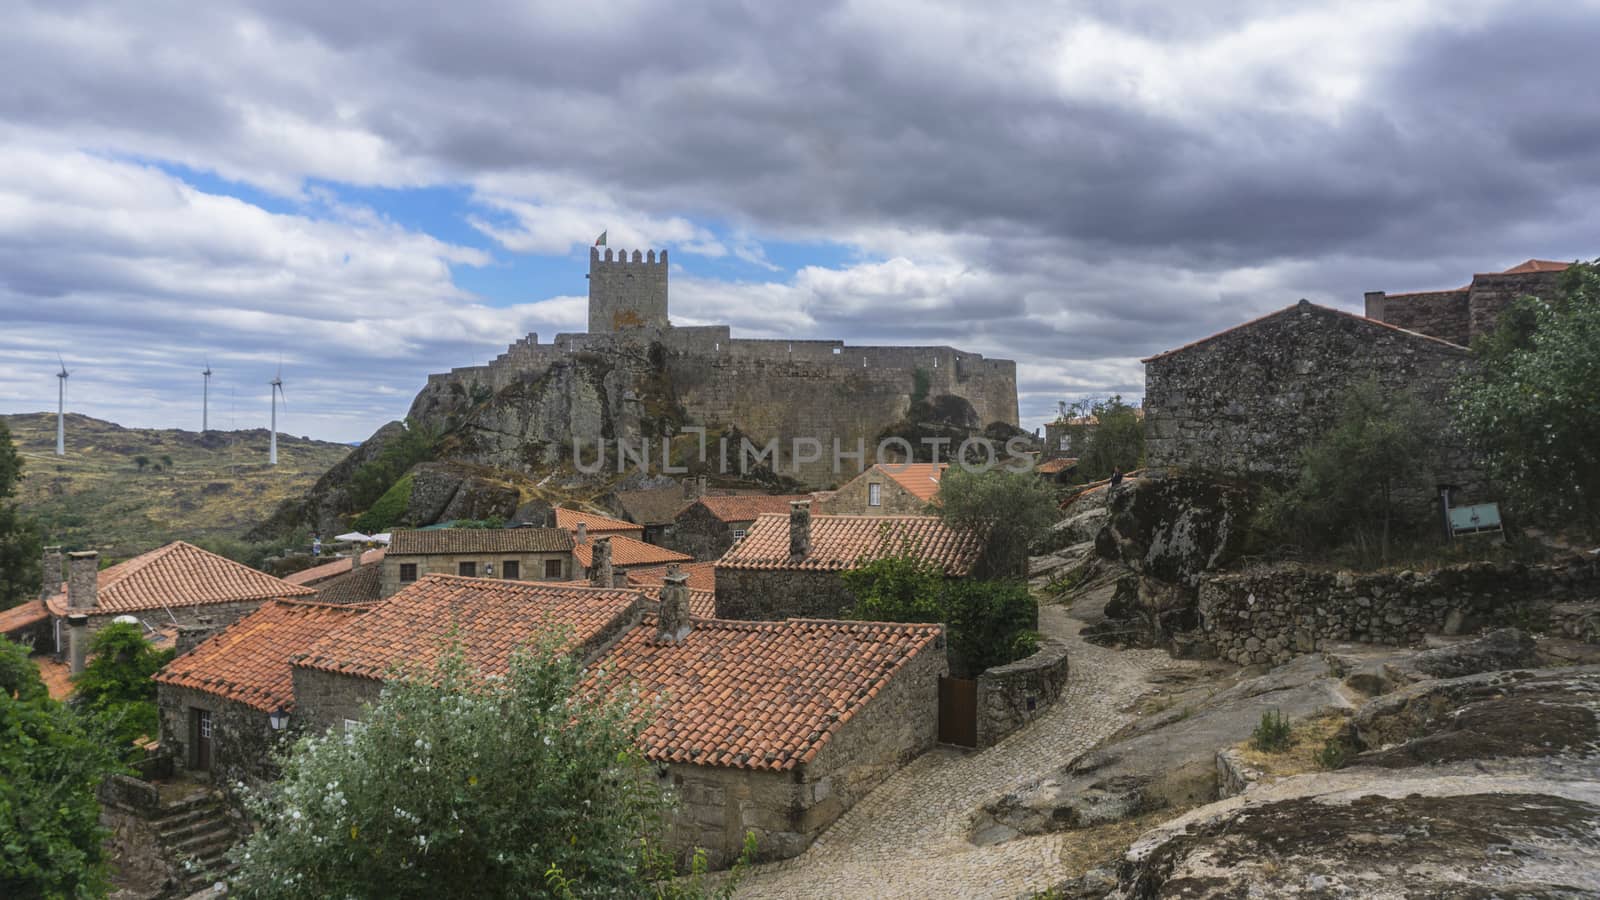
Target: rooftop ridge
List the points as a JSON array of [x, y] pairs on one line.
[[1303, 304]]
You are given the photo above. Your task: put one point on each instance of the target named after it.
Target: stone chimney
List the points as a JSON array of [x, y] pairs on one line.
[[619, 579], [50, 569], [355, 560], [190, 636], [673, 620], [77, 640], [83, 579], [583, 533], [600, 563], [799, 530]]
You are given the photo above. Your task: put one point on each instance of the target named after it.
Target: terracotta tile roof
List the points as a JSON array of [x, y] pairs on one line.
[[702, 604], [57, 677], [480, 540], [840, 542], [180, 574], [627, 551], [594, 522], [653, 507], [332, 568], [1059, 464], [702, 575], [760, 695], [1537, 265], [19, 617], [489, 617], [363, 585], [921, 480], [1289, 309], [746, 507], [249, 661]]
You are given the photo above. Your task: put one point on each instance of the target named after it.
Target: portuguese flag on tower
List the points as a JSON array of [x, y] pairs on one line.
[[601, 240]]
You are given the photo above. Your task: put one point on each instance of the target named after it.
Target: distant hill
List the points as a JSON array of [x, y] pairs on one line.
[[217, 484]]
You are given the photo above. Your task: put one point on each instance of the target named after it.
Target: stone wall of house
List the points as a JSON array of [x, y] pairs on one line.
[[531, 566], [772, 594], [787, 810], [1271, 614], [1246, 402], [1012, 695], [699, 533], [211, 615], [242, 738], [851, 498], [1441, 314], [324, 700]]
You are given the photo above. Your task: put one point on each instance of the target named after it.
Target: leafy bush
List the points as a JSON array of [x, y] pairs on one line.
[[1532, 405], [20, 540], [1010, 509], [50, 834], [117, 687], [1272, 735], [418, 443], [386, 513], [1115, 439], [1335, 753]]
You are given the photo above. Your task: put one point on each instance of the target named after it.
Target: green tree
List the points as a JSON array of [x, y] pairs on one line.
[[142, 461], [418, 443], [1116, 437], [20, 540], [1531, 406], [1345, 491], [166, 460], [456, 780], [1010, 509], [50, 834], [117, 684]]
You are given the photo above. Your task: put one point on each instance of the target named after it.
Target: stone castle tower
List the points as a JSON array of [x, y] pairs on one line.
[[627, 292]]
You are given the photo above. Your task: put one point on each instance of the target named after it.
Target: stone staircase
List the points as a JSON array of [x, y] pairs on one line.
[[196, 834]]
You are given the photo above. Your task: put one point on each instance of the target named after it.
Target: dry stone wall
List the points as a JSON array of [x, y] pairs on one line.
[[1012, 695], [1271, 614]]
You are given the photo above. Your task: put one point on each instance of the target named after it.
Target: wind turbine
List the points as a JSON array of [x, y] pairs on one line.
[[277, 391], [61, 407], [205, 400]]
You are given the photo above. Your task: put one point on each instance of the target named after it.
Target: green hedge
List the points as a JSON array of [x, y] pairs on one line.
[[387, 511]]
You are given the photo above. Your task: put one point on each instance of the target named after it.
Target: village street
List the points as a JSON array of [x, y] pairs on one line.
[[909, 837]]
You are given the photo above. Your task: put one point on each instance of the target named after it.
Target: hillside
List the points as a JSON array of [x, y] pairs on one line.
[[218, 483]]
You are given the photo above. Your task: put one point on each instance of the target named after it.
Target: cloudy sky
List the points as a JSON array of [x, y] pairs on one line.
[[373, 191]]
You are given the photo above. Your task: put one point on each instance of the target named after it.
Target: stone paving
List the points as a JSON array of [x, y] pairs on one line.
[[908, 838]]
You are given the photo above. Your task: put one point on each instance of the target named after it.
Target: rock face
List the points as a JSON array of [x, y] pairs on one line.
[[327, 506]]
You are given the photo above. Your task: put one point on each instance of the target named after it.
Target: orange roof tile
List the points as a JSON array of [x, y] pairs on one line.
[[332, 568], [702, 575], [759, 695], [627, 551], [180, 574], [1059, 464], [480, 540], [594, 522], [249, 661], [19, 617], [840, 542], [57, 677], [656, 506], [921, 480], [1537, 265], [489, 617], [702, 603], [362, 585], [746, 507]]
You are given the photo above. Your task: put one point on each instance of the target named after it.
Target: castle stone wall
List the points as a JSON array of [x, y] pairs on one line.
[[627, 292]]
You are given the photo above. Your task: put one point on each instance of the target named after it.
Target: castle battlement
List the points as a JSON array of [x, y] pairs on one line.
[[627, 293]]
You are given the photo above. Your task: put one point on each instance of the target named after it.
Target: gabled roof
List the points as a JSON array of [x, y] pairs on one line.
[[702, 575], [1537, 265], [19, 617], [180, 574], [489, 618], [702, 603], [480, 540], [249, 661], [594, 522], [841, 542], [746, 507], [921, 480], [363, 585], [627, 551], [1059, 464], [657, 506], [1304, 305], [759, 695], [332, 568]]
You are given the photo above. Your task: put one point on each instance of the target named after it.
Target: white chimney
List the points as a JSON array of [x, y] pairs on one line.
[[583, 532]]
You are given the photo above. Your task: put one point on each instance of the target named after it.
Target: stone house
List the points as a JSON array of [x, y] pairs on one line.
[[514, 554], [1462, 314], [220, 700], [1059, 470], [602, 559], [700, 577], [653, 509], [1248, 400], [790, 565], [595, 524], [708, 526], [887, 489], [172, 586], [335, 567]]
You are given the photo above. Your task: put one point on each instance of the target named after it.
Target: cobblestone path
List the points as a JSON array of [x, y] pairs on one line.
[[908, 838]]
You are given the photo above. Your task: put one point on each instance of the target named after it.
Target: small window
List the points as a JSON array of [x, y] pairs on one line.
[[205, 724], [467, 569], [408, 572], [1063, 442], [738, 534], [510, 569], [552, 570], [874, 494]]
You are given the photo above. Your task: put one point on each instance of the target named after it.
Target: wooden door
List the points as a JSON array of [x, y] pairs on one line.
[[958, 712], [201, 728]]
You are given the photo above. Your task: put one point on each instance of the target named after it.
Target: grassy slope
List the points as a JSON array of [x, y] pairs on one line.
[[219, 484]]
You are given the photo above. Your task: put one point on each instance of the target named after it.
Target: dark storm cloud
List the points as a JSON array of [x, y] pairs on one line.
[[1075, 186]]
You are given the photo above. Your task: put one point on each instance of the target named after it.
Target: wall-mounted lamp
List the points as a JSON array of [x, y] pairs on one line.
[[279, 719]]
